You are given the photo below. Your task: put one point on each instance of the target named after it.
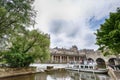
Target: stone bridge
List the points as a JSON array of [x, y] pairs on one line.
[[98, 56]]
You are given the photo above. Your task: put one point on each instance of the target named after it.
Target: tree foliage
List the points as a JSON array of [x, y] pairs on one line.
[[26, 48], [15, 14], [108, 36], [20, 47]]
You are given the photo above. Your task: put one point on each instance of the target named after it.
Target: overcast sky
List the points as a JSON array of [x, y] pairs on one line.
[[73, 22]]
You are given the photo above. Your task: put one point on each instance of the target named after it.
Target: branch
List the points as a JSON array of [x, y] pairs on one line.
[[31, 45]]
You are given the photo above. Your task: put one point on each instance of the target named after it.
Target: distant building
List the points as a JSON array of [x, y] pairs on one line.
[[62, 55], [73, 55]]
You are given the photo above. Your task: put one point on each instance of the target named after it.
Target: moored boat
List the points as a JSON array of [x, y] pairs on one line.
[[92, 68], [72, 67], [87, 68]]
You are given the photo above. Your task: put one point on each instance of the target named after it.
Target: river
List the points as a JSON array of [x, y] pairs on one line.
[[61, 75]]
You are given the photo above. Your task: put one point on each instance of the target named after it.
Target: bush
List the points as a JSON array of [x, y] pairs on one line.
[[18, 59]]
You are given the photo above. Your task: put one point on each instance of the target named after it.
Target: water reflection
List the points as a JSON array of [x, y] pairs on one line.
[[88, 76], [61, 75], [55, 75]]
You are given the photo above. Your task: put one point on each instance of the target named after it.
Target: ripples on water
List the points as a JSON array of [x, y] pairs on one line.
[[61, 75]]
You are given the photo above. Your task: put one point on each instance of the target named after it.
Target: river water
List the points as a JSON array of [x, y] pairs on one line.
[[61, 75]]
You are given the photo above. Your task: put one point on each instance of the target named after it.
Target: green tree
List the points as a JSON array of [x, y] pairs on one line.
[[108, 36], [15, 14], [27, 47], [20, 47]]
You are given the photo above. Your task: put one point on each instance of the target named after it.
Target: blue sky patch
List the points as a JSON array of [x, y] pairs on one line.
[[95, 24]]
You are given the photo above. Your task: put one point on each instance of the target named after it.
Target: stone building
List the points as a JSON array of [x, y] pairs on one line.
[[62, 55]]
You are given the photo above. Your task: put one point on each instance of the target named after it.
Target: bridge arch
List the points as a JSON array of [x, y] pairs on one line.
[[111, 61], [90, 59], [101, 62]]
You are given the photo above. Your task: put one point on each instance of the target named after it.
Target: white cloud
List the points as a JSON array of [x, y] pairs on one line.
[[75, 14]]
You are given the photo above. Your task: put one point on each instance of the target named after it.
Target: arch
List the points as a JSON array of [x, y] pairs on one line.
[[111, 61], [90, 59], [100, 62]]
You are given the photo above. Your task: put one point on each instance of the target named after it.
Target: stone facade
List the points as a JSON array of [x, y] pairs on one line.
[[62, 55]]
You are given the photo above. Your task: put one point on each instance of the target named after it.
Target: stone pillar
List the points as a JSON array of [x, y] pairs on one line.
[[63, 59], [74, 58], [55, 59], [60, 59], [79, 58], [67, 59], [106, 63], [52, 58]]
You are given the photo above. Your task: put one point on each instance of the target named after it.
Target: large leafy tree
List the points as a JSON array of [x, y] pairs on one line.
[[26, 48], [15, 14], [108, 36], [20, 46]]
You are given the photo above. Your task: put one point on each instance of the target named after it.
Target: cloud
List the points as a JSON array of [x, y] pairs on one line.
[[73, 22], [57, 26]]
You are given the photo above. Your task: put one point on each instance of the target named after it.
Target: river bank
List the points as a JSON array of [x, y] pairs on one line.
[[9, 72], [34, 68]]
